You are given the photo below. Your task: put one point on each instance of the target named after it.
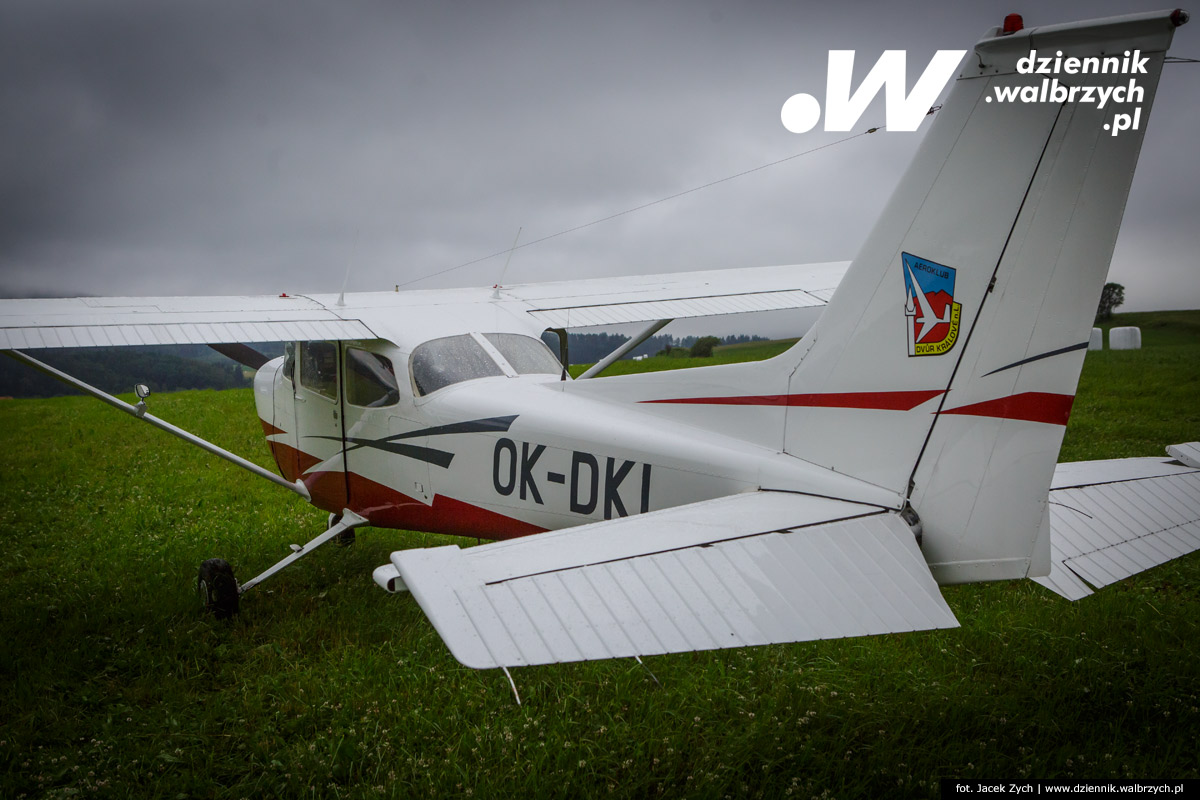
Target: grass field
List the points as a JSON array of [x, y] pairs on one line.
[[112, 684]]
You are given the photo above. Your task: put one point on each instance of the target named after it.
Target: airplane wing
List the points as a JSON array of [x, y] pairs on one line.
[[644, 298], [117, 321], [1112, 519], [755, 568]]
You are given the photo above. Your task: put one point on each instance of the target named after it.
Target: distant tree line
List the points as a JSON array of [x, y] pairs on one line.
[[116, 369]]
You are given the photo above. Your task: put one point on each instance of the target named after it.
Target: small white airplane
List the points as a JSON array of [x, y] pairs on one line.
[[823, 493]]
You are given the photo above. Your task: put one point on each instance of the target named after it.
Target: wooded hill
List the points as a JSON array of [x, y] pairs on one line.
[[117, 369]]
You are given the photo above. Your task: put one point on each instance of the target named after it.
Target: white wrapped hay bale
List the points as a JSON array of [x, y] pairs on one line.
[[1096, 342], [1125, 338]]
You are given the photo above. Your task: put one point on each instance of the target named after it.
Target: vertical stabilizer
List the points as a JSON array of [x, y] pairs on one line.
[[945, 364]]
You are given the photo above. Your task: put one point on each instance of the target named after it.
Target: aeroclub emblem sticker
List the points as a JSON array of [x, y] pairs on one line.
[[932, 315]]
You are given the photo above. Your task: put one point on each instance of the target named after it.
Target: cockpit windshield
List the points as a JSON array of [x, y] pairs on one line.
[[453, 359], [526, 355]]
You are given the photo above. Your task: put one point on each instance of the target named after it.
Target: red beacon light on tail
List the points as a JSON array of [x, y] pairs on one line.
[[1012, 24]]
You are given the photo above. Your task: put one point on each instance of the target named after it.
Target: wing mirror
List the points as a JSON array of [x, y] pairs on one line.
[[142, 391]]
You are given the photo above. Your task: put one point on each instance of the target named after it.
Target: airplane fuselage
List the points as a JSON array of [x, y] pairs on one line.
[[502, 456]]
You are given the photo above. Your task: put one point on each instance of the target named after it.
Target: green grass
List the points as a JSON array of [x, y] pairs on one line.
[[113, 685]]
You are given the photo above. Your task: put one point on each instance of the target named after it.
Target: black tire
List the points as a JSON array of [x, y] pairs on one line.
[[343, 539], [217, 588]]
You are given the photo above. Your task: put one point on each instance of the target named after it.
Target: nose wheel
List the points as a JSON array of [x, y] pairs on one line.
[[217, 588]]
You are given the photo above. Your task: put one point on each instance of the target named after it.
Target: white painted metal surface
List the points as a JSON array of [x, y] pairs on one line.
[[642, 298], [120, 335], [666, 589], [1090, 473], [120, 321], [1126, 338], [1022, 268], [639, 311], [1131, 514], [1188, 454]]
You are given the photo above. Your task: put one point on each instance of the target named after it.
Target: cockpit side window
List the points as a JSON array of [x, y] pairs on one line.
[[318, 368], [453, 359], [526, 355], [370, 379]]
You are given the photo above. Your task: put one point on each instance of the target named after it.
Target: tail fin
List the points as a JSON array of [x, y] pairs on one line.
[[971, 302]]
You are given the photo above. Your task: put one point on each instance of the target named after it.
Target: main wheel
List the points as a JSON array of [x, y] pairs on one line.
[[343, 539], [217, 588]]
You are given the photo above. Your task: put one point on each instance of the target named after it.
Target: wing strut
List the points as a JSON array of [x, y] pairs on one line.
[[139, 412], [608, 360]]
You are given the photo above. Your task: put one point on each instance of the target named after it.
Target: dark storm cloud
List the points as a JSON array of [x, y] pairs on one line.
[[163, 148]]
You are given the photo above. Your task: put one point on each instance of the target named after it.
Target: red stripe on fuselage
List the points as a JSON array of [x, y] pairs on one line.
[[269, 429], [326, 488], [883, 401], [292, 463], [1052, 409], [387, 508]]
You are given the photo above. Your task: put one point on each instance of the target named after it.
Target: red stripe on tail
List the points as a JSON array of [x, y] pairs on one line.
[[1052, 409]]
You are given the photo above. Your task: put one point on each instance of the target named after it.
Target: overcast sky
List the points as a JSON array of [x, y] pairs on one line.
[[153, 148]]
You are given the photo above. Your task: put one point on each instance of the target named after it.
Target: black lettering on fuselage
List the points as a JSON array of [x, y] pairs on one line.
[[518, 472], [588, 460], [612, 487], [505, 480], [527, 462], [645, 488]]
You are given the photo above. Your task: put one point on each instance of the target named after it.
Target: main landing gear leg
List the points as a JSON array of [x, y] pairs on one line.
[[219, 592], [345, 538]]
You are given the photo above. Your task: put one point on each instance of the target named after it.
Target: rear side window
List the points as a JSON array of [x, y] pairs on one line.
[[370, 380], [526, 355], [318, 368], [451, 360]]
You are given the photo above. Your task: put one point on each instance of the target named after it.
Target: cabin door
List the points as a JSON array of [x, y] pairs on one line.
[[319, 429]]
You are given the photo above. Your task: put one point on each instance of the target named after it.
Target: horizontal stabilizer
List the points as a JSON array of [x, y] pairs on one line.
[[1113, 519], [747, 582]]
